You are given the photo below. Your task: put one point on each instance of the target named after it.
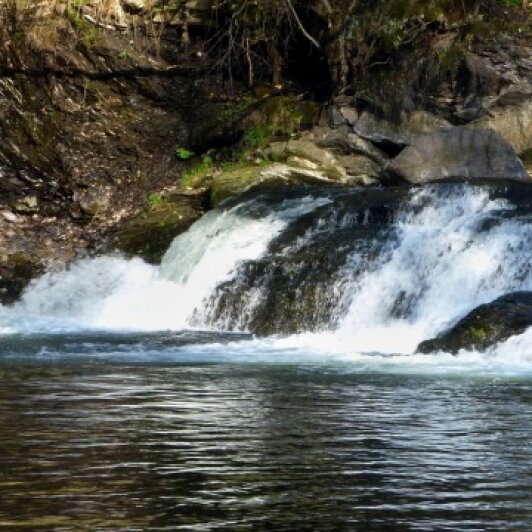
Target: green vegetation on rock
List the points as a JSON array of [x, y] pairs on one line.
[[149, 233]]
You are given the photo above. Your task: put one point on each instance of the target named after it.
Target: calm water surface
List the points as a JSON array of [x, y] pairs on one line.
[[95, 445]]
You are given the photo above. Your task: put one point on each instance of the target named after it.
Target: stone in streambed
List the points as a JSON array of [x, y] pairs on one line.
[[486, 325]]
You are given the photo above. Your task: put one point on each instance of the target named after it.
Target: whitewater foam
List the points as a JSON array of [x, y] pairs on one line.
[[450, 251], [443, 263], [113, 293]]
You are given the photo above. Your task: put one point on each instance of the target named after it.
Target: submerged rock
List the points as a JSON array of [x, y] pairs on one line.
[[486, 325], [299, 284], [457, 153]]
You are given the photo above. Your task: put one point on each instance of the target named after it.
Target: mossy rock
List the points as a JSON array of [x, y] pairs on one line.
[[238, 179], [486, 325], [284, 113], [150, 233], [234, 181], [16, 271]]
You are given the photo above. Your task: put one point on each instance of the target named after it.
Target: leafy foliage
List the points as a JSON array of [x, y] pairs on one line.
[[184, 153]]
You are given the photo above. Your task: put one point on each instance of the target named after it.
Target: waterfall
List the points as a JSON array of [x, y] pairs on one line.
[[113, 293], [346, 269]]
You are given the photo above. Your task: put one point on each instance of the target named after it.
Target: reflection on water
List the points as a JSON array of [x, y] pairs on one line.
[[115, 447]]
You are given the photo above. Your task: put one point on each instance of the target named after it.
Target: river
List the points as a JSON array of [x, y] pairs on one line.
[[265, 376]]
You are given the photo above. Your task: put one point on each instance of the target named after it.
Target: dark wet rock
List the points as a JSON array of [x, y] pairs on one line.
[[300, 278], [457, 153], [486, 325], [16, 271], [150, 233]]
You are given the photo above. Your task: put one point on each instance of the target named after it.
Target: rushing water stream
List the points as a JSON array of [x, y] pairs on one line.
[[265, 375]]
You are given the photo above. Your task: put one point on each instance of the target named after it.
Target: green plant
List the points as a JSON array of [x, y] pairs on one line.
[[184, 153], [90, 38], [198, 170], [256, 137], [155, 199], [510, 3], [124, 54]]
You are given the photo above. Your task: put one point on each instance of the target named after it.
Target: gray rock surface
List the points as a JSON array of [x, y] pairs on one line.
[[457, 153]]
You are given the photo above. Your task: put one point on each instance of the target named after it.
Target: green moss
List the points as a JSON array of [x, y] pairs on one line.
[[258, 123], [184, 153], [275, 115], [234, 180], [194, 175]]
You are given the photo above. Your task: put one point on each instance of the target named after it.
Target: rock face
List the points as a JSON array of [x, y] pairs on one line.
[[513, 122], [457, 153], [486, 325], [386, 133]]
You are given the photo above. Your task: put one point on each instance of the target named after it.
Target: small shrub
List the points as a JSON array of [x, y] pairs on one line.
[[155, 199], [197, 171], [183, 153]]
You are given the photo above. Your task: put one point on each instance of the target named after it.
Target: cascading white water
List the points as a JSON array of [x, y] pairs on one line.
[[112, 293], [445, 258], [443, 265]]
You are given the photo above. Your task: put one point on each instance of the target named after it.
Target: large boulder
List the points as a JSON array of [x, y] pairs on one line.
[[388, 134], [457, 153], [486, 325]]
